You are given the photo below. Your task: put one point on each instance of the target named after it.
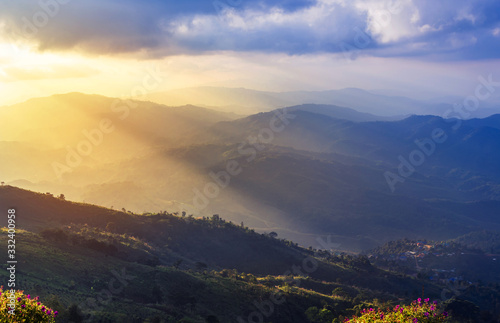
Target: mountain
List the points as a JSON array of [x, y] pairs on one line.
[[74, 113], [81, 129], [378, 141], [304, 172], [244, 101], [340, 112], [175, 267], [248, 102]]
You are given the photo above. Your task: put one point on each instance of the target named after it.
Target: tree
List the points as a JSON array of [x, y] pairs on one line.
[[325, 315], [177, 263], [312, 314], [111, 227], [273, 234], [339, 292], [61, 197], [57, 235], [74, 314], [157, 294], [200, 265]]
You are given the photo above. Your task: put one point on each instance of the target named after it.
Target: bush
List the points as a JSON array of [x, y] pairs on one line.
[[418, 311], [26, 309]]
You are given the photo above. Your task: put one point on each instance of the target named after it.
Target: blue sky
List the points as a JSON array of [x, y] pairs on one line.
[[447, 35]]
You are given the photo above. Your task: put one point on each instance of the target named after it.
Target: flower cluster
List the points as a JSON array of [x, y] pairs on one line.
[[27, 308], [418, 312]]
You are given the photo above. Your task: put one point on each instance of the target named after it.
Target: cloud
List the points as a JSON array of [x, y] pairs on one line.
[[455, 29], [275, 30], [390, 21]]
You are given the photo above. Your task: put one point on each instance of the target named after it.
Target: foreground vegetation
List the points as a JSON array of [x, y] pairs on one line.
[[15, 306], [418, 311]]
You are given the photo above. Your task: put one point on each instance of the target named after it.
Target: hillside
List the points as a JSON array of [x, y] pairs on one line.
[[180, 266], [469, 274], [125, 127]]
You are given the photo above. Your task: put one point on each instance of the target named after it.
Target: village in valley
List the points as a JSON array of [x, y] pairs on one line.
[[443, 262]]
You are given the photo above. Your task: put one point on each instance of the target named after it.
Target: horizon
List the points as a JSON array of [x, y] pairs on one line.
[[377, 92]]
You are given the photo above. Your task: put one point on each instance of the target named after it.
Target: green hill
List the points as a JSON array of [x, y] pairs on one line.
[[177, 268]]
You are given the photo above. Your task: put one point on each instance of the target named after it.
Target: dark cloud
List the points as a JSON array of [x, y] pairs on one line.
[[454, 29]]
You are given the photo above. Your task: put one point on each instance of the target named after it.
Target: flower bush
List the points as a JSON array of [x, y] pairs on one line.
[[417, 312], [26, 308]]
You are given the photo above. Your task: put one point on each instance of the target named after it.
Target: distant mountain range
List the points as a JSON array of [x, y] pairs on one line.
[[305, 172], [381, 103]]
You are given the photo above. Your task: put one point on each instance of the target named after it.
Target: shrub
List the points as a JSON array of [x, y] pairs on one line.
[[27, 309], [418, 311]]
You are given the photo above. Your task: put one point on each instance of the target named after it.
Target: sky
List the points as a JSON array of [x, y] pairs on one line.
[[110, 47]]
